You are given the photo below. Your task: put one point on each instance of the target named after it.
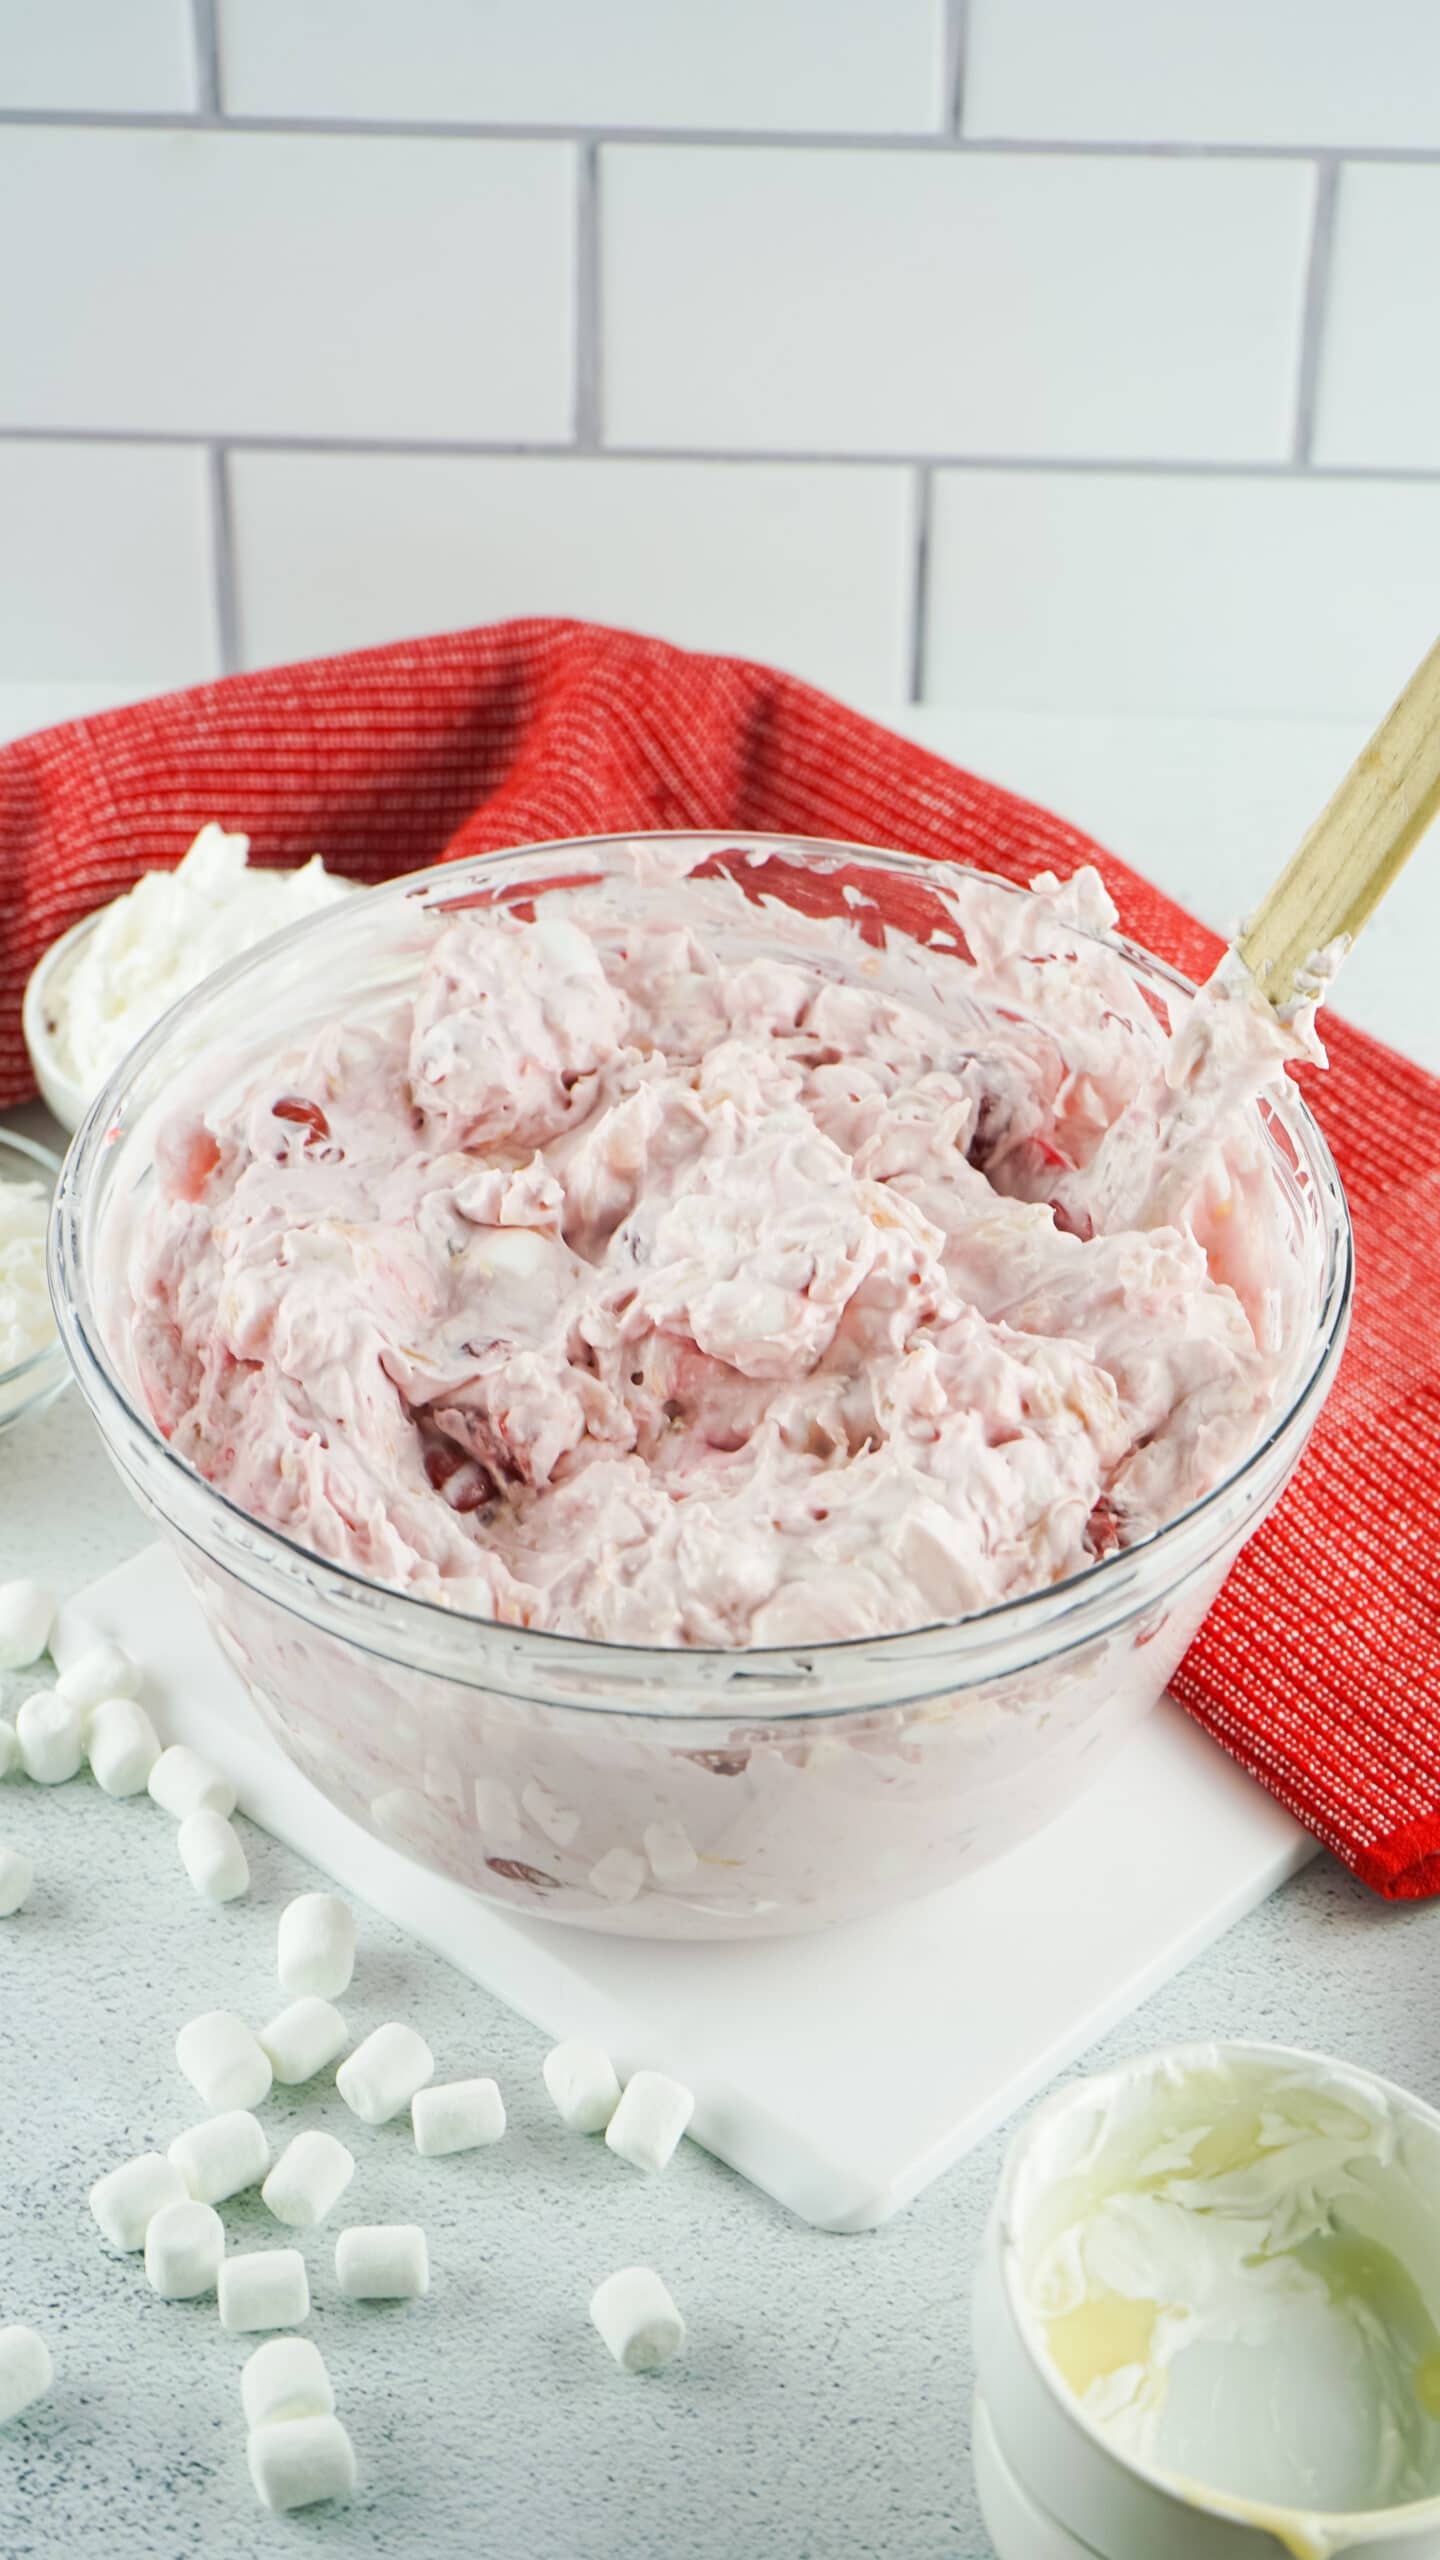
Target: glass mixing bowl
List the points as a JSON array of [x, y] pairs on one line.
[[658, 1792]]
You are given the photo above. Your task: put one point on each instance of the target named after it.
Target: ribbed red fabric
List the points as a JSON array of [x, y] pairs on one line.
[[1319, 1666]]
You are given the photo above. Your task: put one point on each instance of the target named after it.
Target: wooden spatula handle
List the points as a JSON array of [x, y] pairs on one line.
[[1364, 833]]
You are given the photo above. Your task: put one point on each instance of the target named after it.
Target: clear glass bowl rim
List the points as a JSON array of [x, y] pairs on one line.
[[47, 1164], [478, 1652]]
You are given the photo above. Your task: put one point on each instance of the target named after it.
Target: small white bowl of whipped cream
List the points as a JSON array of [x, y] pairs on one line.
[[1207, 2317], [112, 975]]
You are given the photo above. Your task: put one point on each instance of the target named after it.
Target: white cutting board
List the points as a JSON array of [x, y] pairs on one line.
[[844, 2071]]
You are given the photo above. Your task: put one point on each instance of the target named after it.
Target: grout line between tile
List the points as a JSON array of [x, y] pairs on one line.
[[222, 559], [1315, 306], [920, 580], [1123, 466], [588, 405], [704, 137], [957, 47], [206, 40]]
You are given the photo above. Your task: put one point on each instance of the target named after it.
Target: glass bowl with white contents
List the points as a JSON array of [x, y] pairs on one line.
[[748, 1773], [33, 1366]]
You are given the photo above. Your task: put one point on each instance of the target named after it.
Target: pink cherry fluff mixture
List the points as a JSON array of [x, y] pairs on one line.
[[677, 1269]]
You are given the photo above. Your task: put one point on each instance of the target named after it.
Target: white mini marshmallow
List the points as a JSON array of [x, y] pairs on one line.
[[9, 1748], [264, 2289], [122, 1746], [671, 1852], [618, 1876], [126, 2200], [581, 2079], [286, 2378], [103, 1670], [311, 2175], [27, 1614], [183, 2249], [26, 2371], [558, 1821], [222, 2156], [382, 2262], [637, 2319], [212, 1857], [50, 1738], [459, 2117], [303, 2039], [315, 1949], [16, 1878], [223, 2061], [383, 2074], [649, 2120], [299, 2462], [182, 1783]]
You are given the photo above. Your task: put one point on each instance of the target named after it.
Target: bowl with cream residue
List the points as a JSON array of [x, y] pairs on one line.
[[1207, 2316], [646, 1789], [33, 1366]]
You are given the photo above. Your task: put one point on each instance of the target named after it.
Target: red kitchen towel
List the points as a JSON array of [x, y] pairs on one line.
[[1319, 1666]]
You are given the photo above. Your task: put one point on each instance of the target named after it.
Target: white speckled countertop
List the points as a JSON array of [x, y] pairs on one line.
[[822, 2408]]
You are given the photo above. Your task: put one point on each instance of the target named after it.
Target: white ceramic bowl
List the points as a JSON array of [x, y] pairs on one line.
[[63, 1094], [1053, 2482]]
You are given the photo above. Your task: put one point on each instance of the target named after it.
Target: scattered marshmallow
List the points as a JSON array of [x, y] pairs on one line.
[[637, 2319], [126, 2200], [16, 1878], [649, 2120], [48, 1732], [122, 1746], [184, 2246], [263, 2289], [383, 2074], [212, 1857], [303, 2039], [103, 1670], [581, 2079], [26, 2371], [223, 2061], [315, 1949], [284, 2379], [382, 2262], [222, 2156], [459, 2117], [299, 2462], [182, 1783], [27, 1614], [9, 1748], [311, 2175]]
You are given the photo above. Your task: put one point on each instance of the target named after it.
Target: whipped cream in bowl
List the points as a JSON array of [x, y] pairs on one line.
[[1208, 2311], [115, 972], [705, 1381]]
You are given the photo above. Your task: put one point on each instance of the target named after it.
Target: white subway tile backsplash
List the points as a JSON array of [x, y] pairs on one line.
[[286, 284], [809, 567], [891, 301], [1379, 393], [1098, 592], [121, 55], [863, 66], [106, 564], [1308, 72]]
